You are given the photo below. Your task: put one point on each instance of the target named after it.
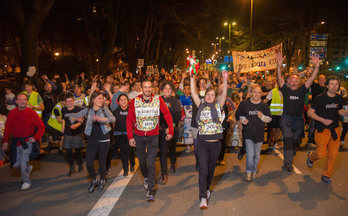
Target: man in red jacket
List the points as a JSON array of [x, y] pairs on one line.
[[26, 128], [143, 117]]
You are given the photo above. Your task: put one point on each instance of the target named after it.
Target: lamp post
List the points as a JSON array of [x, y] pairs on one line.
[[251, 23]]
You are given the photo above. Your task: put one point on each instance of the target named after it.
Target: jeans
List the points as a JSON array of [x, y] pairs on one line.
[[94, 148], [208, 154], [146, 150], [253, 151], [22, 162]]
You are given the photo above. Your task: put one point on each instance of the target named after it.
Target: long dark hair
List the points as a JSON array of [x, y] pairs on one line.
[[93, 96]]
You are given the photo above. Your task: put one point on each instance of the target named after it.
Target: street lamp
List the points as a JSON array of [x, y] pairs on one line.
[[251, 22]]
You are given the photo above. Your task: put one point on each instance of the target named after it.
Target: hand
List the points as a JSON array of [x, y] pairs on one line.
[[169, 137], [94, 86], [107, 86], [167, 131], [245, 121], [80, 119], [56, 76], [225, 74], [98, 119], [31, 140], [44, 77], [66, 75], [280, 59], [315, 59], [259, 114], [132, 143], [327, 122], [5, 145], [82, 75]]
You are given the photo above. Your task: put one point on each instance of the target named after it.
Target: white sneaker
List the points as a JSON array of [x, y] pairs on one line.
[[253, 175], [203, 205], [208, 194], [25, 186], [342, 142], [188, 149]]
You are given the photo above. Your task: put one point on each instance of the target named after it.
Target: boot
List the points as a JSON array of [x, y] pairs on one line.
[[101, 185], [93, 185], [72, 170]]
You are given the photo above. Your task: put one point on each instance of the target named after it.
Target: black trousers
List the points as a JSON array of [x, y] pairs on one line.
[[223, 144], [127, 152], [208, 154], [167, 148], [69, 156], [94, 148], [344, 131], [146, 149]]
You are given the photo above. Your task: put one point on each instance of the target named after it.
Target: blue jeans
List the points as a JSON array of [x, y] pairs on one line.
[[253, 151]]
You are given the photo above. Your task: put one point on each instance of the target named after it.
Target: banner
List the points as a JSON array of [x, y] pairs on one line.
[[262, 60]]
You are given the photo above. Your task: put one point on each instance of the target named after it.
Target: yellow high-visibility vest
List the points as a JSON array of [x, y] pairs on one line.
[[53, 122], [276, 106]]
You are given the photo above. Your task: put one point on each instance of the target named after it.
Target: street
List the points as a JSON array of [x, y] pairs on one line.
[[273, 192]]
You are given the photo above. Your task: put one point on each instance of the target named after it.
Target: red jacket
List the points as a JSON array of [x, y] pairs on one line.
[[131, 120], [23, 123]]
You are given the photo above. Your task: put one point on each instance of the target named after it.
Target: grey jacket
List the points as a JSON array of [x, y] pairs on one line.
[[103, 112]]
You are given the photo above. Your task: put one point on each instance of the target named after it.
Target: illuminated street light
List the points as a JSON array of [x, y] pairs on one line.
[[56, 54]]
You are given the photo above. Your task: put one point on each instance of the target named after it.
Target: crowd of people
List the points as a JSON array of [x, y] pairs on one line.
[[148, 114]]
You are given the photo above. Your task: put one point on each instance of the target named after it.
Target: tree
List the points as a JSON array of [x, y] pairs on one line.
[[28, 16]]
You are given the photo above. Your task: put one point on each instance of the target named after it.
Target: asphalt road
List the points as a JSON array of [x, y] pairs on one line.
[[273, 192]]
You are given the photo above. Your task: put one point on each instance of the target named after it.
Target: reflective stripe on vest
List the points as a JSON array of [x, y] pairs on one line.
[[33, 101], [276, 106], [53, 122]]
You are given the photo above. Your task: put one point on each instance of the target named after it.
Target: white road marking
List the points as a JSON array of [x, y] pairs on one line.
[[297, 171], [110, 197]]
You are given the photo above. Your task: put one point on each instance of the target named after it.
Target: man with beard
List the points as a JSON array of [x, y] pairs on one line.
[[143, 117]]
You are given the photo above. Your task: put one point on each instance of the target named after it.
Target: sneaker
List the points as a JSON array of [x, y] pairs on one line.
[[253, 175], [309, 162], [342, 142], [208, 194], [188, 149], [146, 183], [290, 168], [248, 177], [326, 179], [203, 205], [240, 155], [25, 186], [149, 197], [60, 152]]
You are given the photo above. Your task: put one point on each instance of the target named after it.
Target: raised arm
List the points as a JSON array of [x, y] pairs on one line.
[[223, 96], [194, 93], [315, 59], [280, 79], [238, 75]]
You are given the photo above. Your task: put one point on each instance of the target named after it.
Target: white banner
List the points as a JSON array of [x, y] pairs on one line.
[[262, 60]]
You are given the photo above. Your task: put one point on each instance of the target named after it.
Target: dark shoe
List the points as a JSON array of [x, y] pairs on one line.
[[125, 173], [164, 179], [146, 183], [132, 168], [80, 168], [93, 185], [240, 155], [60, 152], [309, 162], [326, 179], [149, 197], [291, 168], [72, 170], [220, 163], [101, 185], [197, 167], [172, 169]]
